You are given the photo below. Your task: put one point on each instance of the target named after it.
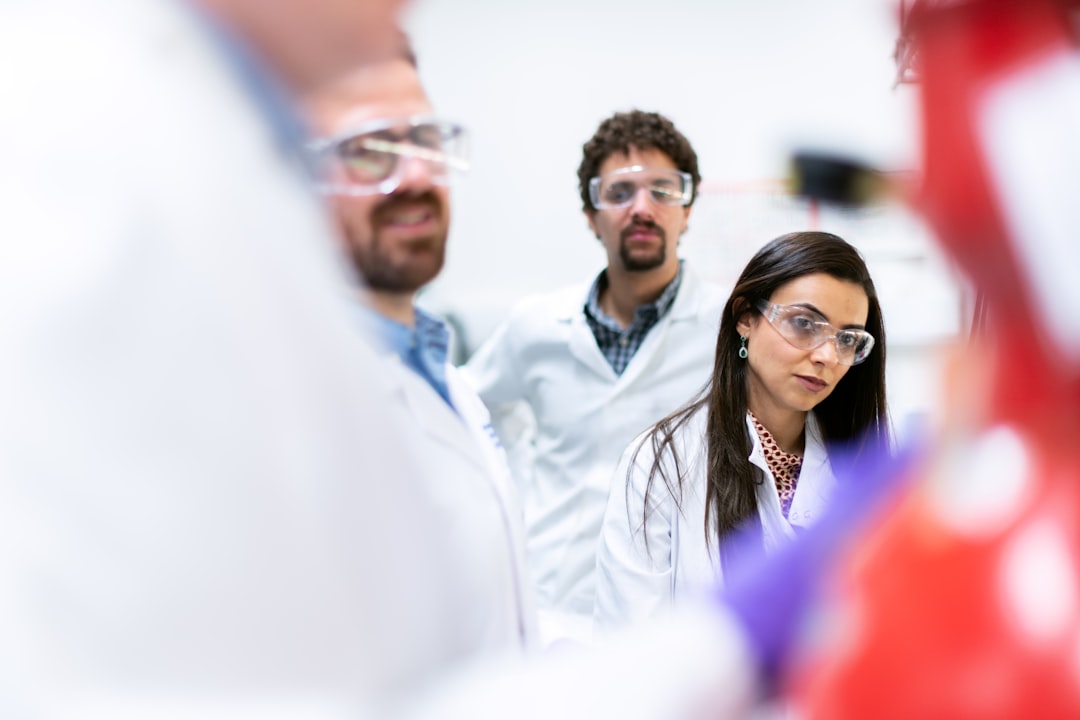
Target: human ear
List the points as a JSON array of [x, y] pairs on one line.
[[740, 310], [590, 217]]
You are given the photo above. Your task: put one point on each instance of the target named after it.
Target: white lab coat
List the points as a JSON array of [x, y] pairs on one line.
[[208, 505], [465, 473], [545, 355], [634, 583]]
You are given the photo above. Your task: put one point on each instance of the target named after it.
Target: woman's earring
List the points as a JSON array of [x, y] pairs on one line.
[[742, 348]]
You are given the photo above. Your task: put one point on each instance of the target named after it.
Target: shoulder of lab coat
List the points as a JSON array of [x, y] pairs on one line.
[[494, 370], [636, 558], [497, 370]]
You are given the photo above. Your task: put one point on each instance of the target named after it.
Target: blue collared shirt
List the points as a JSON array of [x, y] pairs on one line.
[[423, 348], [620, 345]]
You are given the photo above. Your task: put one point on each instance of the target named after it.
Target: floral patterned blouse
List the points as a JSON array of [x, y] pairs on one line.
[[785, 466]]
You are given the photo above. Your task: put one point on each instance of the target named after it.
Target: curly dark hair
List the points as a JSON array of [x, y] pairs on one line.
[[643, 130]]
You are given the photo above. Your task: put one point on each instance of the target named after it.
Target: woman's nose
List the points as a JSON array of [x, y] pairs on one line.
[[826, 353]]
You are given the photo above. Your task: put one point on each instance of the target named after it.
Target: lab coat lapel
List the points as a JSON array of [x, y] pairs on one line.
[[652, 349], [582, 345], [816, 480], [433, 417], [477, 422]]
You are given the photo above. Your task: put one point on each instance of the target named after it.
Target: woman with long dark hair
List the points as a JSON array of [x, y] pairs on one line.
[[799, 371]]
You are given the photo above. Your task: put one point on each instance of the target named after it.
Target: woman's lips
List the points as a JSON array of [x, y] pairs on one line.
[[812, 384]]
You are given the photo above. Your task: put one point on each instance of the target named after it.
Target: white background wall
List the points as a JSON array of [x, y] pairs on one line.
[[747, 81]]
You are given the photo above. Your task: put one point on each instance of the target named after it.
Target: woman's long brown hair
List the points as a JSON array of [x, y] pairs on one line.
[[855, 412]]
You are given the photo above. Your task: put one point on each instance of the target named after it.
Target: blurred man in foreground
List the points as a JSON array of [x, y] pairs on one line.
[[206, 504], [208, 507]]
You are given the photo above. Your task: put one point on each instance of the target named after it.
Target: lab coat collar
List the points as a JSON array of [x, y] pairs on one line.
[[814, 454], [431, 415], [687, 302], [816, 482], [582, 344]]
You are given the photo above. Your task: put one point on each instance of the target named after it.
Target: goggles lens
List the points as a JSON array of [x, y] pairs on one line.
[[806, 330], [370, 160], [619, 188]]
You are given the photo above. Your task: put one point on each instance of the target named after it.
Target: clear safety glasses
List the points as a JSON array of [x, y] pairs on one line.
[[806, 330], [618, 189], [371, 159]]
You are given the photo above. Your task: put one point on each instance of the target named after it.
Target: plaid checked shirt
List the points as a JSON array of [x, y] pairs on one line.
[[619, 345]]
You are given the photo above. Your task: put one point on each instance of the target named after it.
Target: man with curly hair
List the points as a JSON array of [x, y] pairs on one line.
[[590, 367]]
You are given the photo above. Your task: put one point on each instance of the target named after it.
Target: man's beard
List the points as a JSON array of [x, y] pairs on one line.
[[401, 266], [637, 263]]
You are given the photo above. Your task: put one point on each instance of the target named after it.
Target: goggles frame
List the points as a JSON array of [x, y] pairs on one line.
[[814, 336], [680, 197], [377, 137]]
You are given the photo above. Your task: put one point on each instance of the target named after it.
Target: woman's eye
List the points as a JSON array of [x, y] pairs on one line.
[[847, 340], [803, 324]]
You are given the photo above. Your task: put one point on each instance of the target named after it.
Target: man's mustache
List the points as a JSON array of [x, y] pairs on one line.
[[643, 225], [393, 201]]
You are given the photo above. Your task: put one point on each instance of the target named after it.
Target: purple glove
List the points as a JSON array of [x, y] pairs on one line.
[[770, 595]]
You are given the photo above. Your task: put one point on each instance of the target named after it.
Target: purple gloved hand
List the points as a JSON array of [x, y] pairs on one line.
[[771, 595]]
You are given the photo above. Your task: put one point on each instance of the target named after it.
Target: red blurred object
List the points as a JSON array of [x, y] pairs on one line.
[[960, 616], [963, 49], [965, 601]]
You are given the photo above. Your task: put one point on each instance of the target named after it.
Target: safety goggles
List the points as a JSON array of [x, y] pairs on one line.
[[617, 189], [806, 330], [371, 159]]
